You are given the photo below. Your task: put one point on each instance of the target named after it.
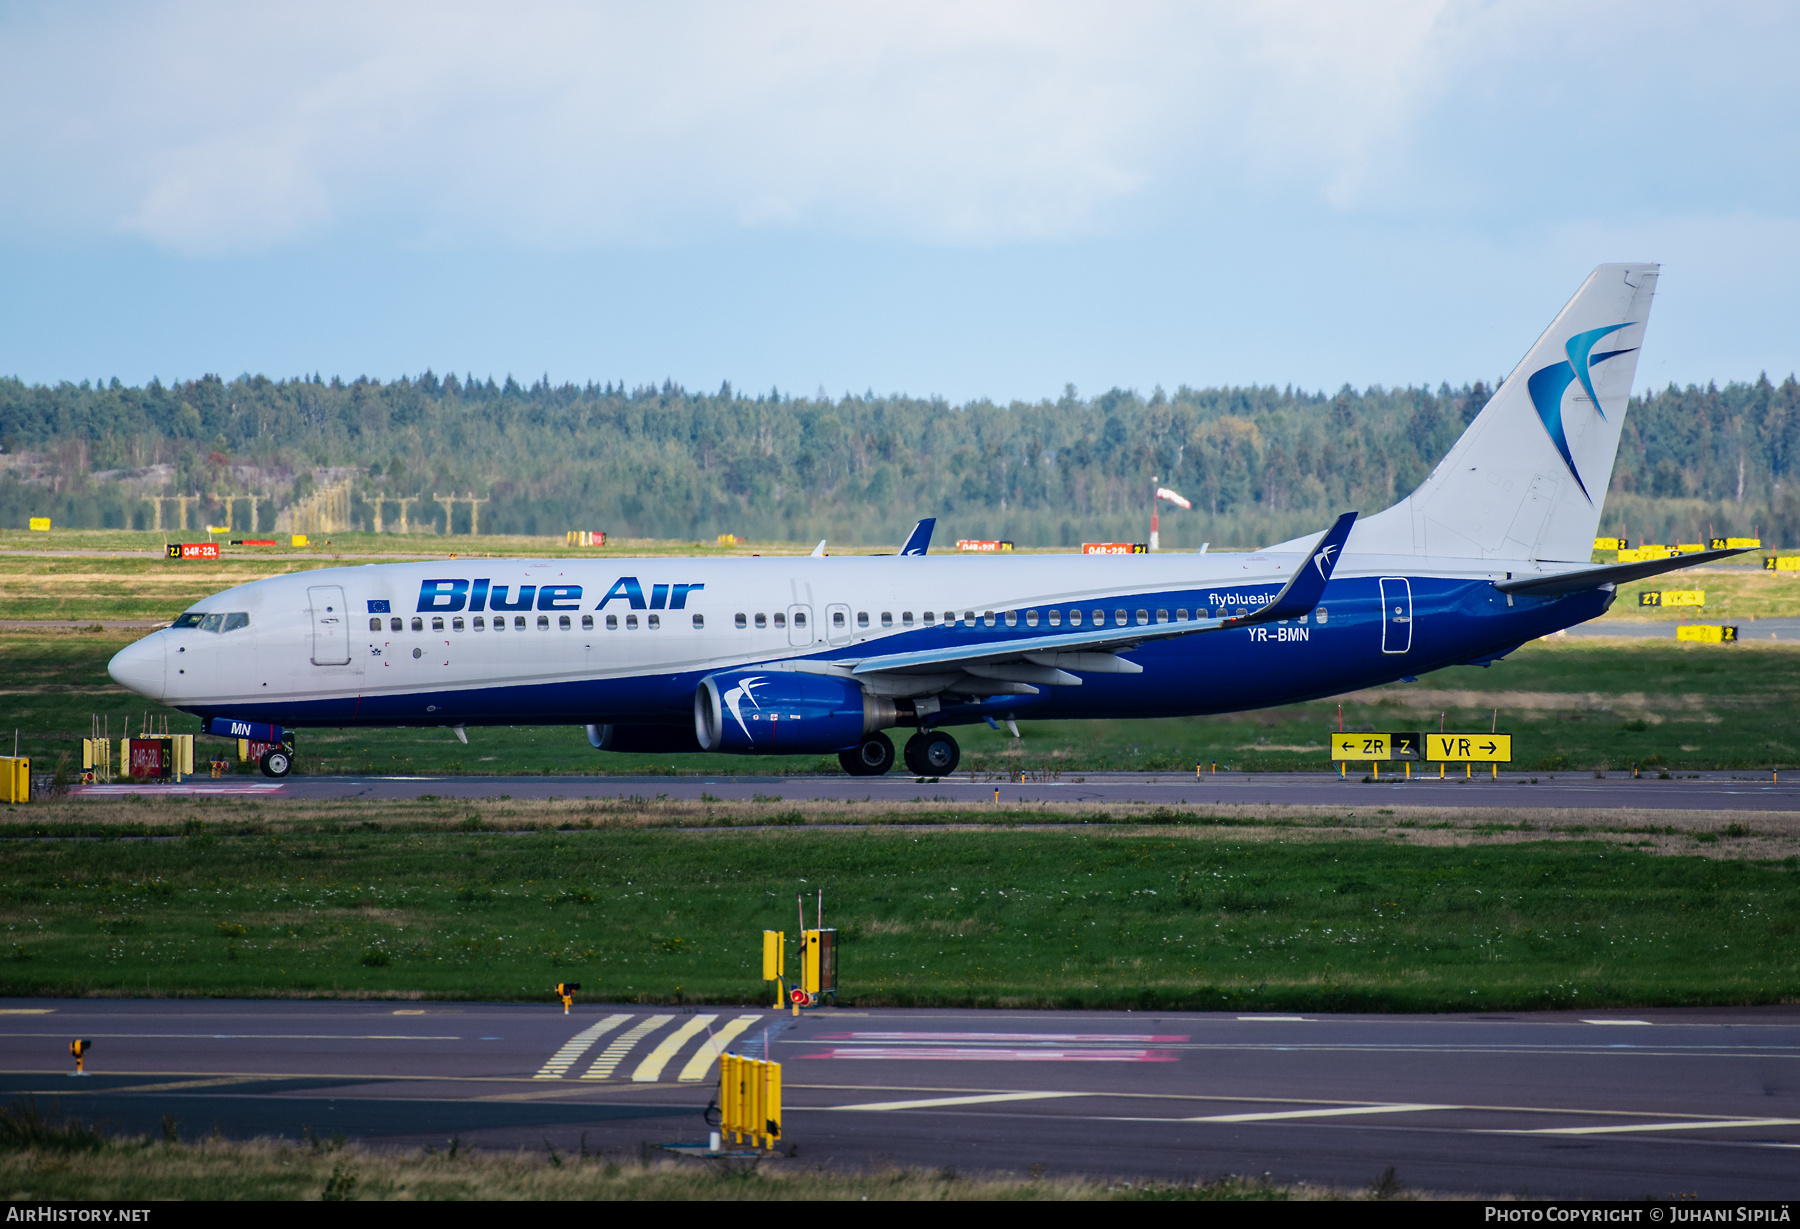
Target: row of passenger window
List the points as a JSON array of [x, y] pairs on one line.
[[565, 623], [1010, 618], [987, 618]]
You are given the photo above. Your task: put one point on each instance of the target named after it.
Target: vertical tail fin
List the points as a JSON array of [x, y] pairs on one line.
[[1528, 479]]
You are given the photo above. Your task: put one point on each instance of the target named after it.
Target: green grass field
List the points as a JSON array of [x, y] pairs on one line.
[[1574, 705], [1190, 913]]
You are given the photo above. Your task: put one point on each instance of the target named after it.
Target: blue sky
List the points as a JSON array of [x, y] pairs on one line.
[[954, 199]]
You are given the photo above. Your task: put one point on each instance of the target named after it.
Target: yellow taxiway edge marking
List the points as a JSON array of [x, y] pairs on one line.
[[1725, 1124], [218, 1082], [702, 1061], [26, 1011], [622, 1045], [934, 1102], [575, 1047], [652, 1067], [1278, 1115]]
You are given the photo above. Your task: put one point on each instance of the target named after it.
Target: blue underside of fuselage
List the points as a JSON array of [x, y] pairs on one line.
[[1451, 622]]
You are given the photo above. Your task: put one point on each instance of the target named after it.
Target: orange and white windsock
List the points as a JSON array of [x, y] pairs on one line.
[[1163, 492]]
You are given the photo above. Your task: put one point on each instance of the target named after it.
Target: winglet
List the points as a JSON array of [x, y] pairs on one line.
[[919, 541], [818, 552], [1307, 585]]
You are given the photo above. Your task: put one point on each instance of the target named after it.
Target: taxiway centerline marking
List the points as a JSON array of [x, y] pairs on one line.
[[653, 1065], [713, 1046], [622, 1045], [575, 1047]]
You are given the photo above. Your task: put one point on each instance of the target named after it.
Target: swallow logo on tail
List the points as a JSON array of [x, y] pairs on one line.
[[1548, 384]]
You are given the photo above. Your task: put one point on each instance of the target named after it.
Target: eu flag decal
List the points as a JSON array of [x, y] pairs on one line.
[[378, 605]]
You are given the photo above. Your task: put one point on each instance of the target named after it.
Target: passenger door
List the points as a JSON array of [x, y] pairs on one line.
[[1396, 614], [330, 625]]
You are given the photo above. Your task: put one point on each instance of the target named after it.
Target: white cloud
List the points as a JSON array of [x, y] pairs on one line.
[[213, 128]]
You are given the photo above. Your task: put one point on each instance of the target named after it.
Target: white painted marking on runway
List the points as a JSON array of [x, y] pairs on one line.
[[575, 1047], [651, 1068], [1721, 1125], [1275, 1018], [701, 1063], [936, 1102], [621, 1045], [1643, 1022], [992, 1055], [1335, 1112], [1046, 1038]]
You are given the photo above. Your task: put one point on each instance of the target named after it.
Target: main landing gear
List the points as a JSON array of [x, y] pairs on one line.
[[874, 757], [277, 762], [929, 753], [932, 753]]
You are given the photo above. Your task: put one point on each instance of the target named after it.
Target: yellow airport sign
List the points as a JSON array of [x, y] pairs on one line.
[[1782, 563], [1736, 543], [1370, 747], [1705, 633], [40, 524], [1672, 597], [1611, 543], [1469, 748], [1646, 554]]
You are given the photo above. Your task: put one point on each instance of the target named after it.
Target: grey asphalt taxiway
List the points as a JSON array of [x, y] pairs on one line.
[[1701, 1103], [1710, 791]]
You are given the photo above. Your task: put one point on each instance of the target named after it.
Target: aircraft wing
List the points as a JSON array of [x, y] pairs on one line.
[[1048, 659], [1613, 574]]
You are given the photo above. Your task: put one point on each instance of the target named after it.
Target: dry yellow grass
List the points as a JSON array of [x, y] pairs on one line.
[[266, 1169]]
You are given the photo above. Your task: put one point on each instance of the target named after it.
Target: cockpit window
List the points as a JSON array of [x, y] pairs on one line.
[[190, 619], [212, 623], [236, 620]]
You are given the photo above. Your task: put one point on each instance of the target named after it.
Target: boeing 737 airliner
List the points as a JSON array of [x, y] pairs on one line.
[[816, 655]]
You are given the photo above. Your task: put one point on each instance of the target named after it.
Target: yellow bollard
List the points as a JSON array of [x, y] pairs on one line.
[[79, 1049], [1469, 772], [1409, 770], [1341, 767], [1375, 769], [1440, 772], [1496, 772]]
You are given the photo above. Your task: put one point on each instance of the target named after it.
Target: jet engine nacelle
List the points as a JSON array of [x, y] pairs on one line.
[[770, 712]]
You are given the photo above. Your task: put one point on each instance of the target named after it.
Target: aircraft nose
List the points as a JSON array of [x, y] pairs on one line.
[[142, 667]]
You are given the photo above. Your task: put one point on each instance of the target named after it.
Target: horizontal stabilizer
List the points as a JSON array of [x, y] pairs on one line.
[[1616, 574]]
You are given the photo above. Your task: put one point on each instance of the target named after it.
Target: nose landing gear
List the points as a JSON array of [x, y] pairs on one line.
[[932, 753]]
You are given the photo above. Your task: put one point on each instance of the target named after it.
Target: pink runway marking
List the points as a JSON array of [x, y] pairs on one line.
[[115, 791], [1028, 1038], [993, 1055]]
